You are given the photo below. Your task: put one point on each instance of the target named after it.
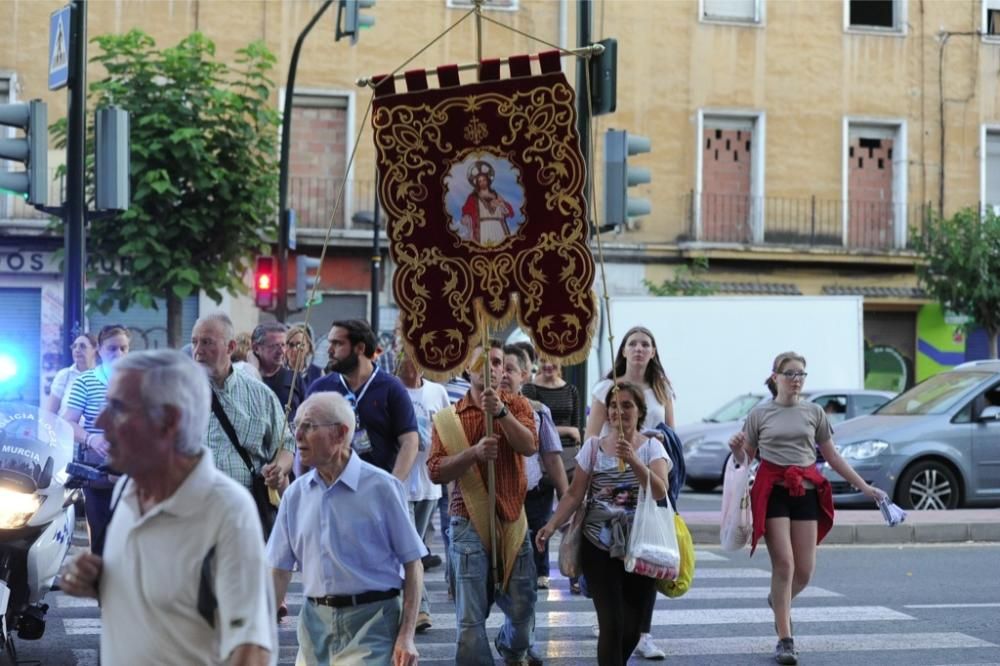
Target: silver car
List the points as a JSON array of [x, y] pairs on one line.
[[936, 446], [706, 444]]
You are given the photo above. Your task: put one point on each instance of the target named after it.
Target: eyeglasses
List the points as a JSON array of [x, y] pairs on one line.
[[274, 345], [792, 374], [307, 426], [296, 345]]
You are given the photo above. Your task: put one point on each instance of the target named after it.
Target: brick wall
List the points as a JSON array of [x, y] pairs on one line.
[[725, 206], [317, 159], [869, 188]]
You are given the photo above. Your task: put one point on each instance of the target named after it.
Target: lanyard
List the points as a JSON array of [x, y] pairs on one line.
[[364, 389]]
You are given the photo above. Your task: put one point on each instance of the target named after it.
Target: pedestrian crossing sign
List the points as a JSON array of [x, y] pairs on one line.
[[59, 29]]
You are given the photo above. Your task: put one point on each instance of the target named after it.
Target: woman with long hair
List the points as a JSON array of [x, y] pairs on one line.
[[86, 399], [621, 598], [84, 350], [638, 363], [299, 353], [792, 502]]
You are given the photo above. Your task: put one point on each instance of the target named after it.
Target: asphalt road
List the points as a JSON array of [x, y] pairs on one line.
[[893, 606]]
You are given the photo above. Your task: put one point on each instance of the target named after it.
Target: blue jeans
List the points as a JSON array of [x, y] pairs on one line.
[[362, 634], [474, 595], [538, 508]]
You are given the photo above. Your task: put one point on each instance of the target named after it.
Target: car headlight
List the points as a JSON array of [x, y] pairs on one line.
[[691, 445], [16, 509], [864, 450]]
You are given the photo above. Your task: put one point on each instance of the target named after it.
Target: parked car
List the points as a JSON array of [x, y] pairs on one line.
[[706, 445], [936, 446]]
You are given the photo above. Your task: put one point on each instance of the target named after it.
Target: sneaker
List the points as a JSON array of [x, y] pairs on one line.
[[431, 561], [543, 583], [423, 622], [596, 630], [647, 649], [784, 652]]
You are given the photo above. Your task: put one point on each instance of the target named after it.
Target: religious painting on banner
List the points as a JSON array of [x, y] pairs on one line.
[[483, 184]]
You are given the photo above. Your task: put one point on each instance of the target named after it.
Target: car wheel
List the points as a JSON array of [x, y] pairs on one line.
[[928, 485], [702, 485]]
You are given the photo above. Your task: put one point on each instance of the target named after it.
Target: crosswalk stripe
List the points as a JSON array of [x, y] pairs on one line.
[[933, 606], [66, 601]]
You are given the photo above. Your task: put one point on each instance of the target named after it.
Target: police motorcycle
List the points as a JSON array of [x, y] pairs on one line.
[[37, 516]]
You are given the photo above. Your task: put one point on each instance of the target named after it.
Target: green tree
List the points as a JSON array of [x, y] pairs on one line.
[[686, 281], [961, 267], [204, 174]]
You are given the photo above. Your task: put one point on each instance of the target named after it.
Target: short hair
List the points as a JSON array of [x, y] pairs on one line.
[[521, 355], [358, 330], [334, 408], [170, 378], [110, 331], [263, 328], [224, 322], [529, 349], [638, 397]]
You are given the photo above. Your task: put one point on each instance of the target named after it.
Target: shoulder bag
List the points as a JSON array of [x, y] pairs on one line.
[[258, 489], [569, 547]]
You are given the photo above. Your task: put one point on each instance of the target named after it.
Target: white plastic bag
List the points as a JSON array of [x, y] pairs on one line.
[[653, 541], [737, 519]]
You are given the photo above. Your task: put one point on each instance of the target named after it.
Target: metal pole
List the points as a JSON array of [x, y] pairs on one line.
[[281, 307], [376, 260], [577, 374], [75, 279]]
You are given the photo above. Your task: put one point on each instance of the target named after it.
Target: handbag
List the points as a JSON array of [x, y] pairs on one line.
[[258, 488], [685, 574], [569, 547], [736, 520], [652, 546]]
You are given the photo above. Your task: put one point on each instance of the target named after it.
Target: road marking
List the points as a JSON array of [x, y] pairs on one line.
[[731, 573], [66, 601], [751, 592], [951, 606], [76, 626], [748, 645]]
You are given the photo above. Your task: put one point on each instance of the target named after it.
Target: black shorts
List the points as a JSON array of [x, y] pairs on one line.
[[782, 505]]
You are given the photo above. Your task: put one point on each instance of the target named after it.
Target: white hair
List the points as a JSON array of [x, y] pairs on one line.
[[224, 322], [171, 378], [333, 408]]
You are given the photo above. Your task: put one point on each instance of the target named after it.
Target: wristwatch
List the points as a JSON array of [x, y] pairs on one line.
[[502, 413]]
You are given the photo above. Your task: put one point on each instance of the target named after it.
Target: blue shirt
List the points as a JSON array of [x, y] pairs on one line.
[[347, 538], [385, 412]]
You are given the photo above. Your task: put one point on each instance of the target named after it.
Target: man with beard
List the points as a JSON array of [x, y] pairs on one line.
[[385, 425]]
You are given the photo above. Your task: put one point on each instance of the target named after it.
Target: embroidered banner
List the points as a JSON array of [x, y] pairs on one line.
[[483, 185]]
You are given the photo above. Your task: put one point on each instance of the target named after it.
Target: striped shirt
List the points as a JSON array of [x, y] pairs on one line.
[[511, 483], [563, 401], [257, 417], [88, 394]]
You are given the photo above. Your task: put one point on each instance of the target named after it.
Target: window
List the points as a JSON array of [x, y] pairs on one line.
[[991, 168], [879, 15], [736, 11], [317, 165], [835, 406], [991, 19], [875, 183], [730, 177], [866, 404]]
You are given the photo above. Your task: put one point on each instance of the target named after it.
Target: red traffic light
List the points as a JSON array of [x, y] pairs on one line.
[[265, 283]]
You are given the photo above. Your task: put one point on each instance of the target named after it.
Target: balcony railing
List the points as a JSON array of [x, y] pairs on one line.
[[813, 222], [315, 200]]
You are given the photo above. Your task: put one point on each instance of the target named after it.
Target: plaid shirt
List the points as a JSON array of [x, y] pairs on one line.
[[257, 416]]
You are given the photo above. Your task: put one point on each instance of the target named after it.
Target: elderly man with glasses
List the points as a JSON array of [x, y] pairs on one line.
[[269, 342], [346, 525]]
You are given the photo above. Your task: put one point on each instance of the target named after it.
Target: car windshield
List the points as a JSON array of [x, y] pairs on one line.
[[734, 410], [934, 396]]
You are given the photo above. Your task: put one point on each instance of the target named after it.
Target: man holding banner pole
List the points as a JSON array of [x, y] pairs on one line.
[[462, 451]]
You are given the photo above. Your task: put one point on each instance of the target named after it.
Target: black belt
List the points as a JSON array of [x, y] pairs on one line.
[[343, 601]]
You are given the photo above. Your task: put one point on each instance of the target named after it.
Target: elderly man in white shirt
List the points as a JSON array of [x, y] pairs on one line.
[[182, 579]]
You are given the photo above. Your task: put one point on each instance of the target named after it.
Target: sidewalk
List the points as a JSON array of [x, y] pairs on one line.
[[867, 527]]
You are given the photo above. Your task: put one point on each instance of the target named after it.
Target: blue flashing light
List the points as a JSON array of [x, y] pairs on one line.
[[8, 368]]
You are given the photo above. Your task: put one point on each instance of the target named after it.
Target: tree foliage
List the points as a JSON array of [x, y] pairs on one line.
[[686, 281], [204, 174], [961, 267]]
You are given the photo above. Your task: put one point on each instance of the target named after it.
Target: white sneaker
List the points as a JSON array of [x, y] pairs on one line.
[[647, 649]]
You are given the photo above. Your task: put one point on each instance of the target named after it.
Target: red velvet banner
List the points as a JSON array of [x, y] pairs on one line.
[[483, 185]]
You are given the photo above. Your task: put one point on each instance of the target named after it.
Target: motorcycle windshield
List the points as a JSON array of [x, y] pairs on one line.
[[35, 447]]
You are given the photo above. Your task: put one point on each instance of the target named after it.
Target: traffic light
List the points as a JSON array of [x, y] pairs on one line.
[[265, 283], [349, 15], [32, 151], [306, 277], [619, 176]]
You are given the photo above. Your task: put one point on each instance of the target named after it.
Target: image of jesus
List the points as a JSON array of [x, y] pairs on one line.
[[485, 212]]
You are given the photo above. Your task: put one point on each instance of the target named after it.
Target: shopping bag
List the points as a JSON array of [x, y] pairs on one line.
[[685, 574], [891, 513], [736, 524], [652, 545]]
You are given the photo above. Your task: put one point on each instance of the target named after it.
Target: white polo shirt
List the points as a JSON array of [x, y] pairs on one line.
[[152, 569]]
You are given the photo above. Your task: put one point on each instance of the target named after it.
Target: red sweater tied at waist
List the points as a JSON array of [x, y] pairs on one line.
[[768, 475]]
